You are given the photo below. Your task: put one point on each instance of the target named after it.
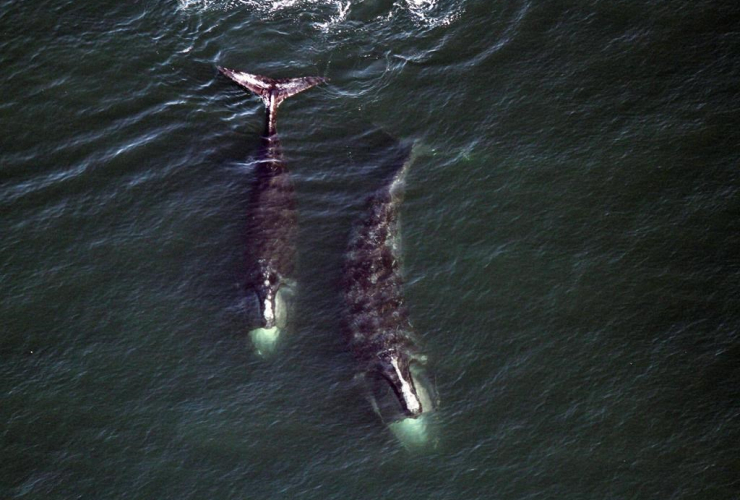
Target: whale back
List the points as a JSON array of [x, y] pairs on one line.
[[373, 281]]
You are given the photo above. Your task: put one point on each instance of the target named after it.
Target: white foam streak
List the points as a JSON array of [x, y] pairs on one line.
[[343, 9], [423, 12]]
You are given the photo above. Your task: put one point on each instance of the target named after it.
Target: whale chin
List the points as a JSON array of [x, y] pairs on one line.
[[265, 340]]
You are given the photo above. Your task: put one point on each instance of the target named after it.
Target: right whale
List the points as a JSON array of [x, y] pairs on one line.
[[271, 226], [379, 332]]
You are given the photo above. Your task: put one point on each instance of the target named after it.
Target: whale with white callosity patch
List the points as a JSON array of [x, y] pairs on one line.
[[379, 332], [271, 223]]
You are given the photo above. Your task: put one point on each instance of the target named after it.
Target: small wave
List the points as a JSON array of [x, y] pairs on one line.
[[255, 5], [430, 13], [342, 11]]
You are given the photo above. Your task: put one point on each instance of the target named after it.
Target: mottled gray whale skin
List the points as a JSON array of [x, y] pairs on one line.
[[380, 334], [271, 224]]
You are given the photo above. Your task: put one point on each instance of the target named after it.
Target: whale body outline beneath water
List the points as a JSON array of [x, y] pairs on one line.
[[272, 220], [379, 332]]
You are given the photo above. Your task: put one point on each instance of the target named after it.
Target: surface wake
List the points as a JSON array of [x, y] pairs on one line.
[[331, 13]]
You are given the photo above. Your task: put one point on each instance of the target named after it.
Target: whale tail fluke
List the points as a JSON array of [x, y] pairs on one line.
[[272, 91]]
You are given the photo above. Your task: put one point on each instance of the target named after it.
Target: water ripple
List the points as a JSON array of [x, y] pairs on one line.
[[330, 15]]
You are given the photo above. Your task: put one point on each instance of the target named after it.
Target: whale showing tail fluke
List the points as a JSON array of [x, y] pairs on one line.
[[272, 91], [271, 224]]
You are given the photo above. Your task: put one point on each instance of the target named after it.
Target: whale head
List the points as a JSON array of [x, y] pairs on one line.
[[272, 320], [403, 394], [266, 294], [393, 386]]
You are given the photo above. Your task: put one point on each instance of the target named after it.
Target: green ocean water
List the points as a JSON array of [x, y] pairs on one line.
[[570, 237]]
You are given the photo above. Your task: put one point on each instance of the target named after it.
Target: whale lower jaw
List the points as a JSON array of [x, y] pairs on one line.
[[265, 340], [417, 433]]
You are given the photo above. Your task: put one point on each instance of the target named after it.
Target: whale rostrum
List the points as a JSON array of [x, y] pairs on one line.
[[271, 223]]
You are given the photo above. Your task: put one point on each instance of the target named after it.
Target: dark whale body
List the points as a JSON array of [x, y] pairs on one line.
[[271, 225], [380, 334]]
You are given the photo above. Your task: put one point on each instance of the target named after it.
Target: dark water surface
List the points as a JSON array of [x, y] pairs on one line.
[[571, 235]]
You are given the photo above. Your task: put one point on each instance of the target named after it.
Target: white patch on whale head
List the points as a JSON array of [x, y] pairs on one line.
[[407, 391], [268, 313]]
